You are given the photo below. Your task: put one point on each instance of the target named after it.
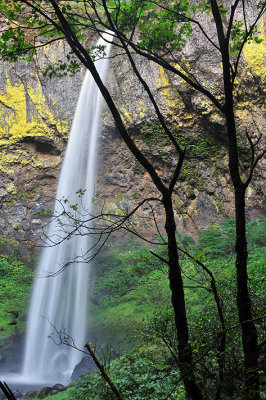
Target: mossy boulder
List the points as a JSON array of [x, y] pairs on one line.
[[48, 390]]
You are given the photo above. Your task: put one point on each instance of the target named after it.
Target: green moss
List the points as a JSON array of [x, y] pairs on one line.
[[15, 287], [114, 316], [153, 134], [200, 148], [58, 396], [191, 176], [125, 272]]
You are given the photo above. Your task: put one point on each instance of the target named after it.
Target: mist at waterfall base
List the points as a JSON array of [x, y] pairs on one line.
[[59, 303]]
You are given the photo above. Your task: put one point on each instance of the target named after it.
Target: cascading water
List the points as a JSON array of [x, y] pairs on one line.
[[61, 301]]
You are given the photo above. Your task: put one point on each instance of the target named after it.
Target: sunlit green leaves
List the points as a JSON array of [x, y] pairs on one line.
[[61, 68], [17, 37], [97, 52], [260, 4], [162, 26], [13, 44], [238, 35], [28, 27], [11, 8]]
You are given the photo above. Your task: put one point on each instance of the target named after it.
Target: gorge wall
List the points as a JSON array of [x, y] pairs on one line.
[[36, 113]]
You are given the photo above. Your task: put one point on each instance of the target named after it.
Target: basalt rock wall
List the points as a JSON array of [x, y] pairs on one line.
[[36, 114]]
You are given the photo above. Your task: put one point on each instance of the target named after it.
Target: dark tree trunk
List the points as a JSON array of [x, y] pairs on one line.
[[248, 328], [249, 332], [178, 301], [104, 374]]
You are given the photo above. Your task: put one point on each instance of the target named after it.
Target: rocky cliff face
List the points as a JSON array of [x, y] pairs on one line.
[[204, 192], [36, 117]]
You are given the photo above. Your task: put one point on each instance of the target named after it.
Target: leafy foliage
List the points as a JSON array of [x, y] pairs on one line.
[[146, 307], [140, 375], [150, 370], [15, 285], [123, 266], [217, 240], [164, 27], [256, 232], [135, 305]]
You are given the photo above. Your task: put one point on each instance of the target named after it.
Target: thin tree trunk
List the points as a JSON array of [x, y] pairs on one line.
[[178, 301], [251, 385], [248, 329], [249, 332], [104, 374]]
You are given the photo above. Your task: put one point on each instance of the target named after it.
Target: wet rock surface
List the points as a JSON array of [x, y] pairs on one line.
[[85, 366], [50, 390]]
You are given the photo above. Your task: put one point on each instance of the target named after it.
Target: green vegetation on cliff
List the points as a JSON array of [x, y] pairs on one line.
[[15, 287], [131, 312], [130, 284]]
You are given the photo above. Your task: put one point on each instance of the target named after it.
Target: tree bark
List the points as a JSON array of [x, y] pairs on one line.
[[178, 302], [248, 329], [249, 332], [104, 374]]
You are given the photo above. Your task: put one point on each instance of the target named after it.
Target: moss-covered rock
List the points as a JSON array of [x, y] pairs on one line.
[[50, 390]]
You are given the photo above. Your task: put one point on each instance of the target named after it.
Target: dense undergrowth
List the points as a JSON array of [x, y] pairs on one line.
[[15, 287], [131, 312]]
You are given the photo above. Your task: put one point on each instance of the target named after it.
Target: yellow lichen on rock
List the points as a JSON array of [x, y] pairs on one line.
[[173, 100], [142, 110], [16, 124], [25, 113], [127, 118], [255, 55], [11, 188]]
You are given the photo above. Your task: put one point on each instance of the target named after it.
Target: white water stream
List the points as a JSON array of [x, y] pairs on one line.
[[61, 301]]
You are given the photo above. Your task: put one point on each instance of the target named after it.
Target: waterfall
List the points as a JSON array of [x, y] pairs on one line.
[[61, 301]]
